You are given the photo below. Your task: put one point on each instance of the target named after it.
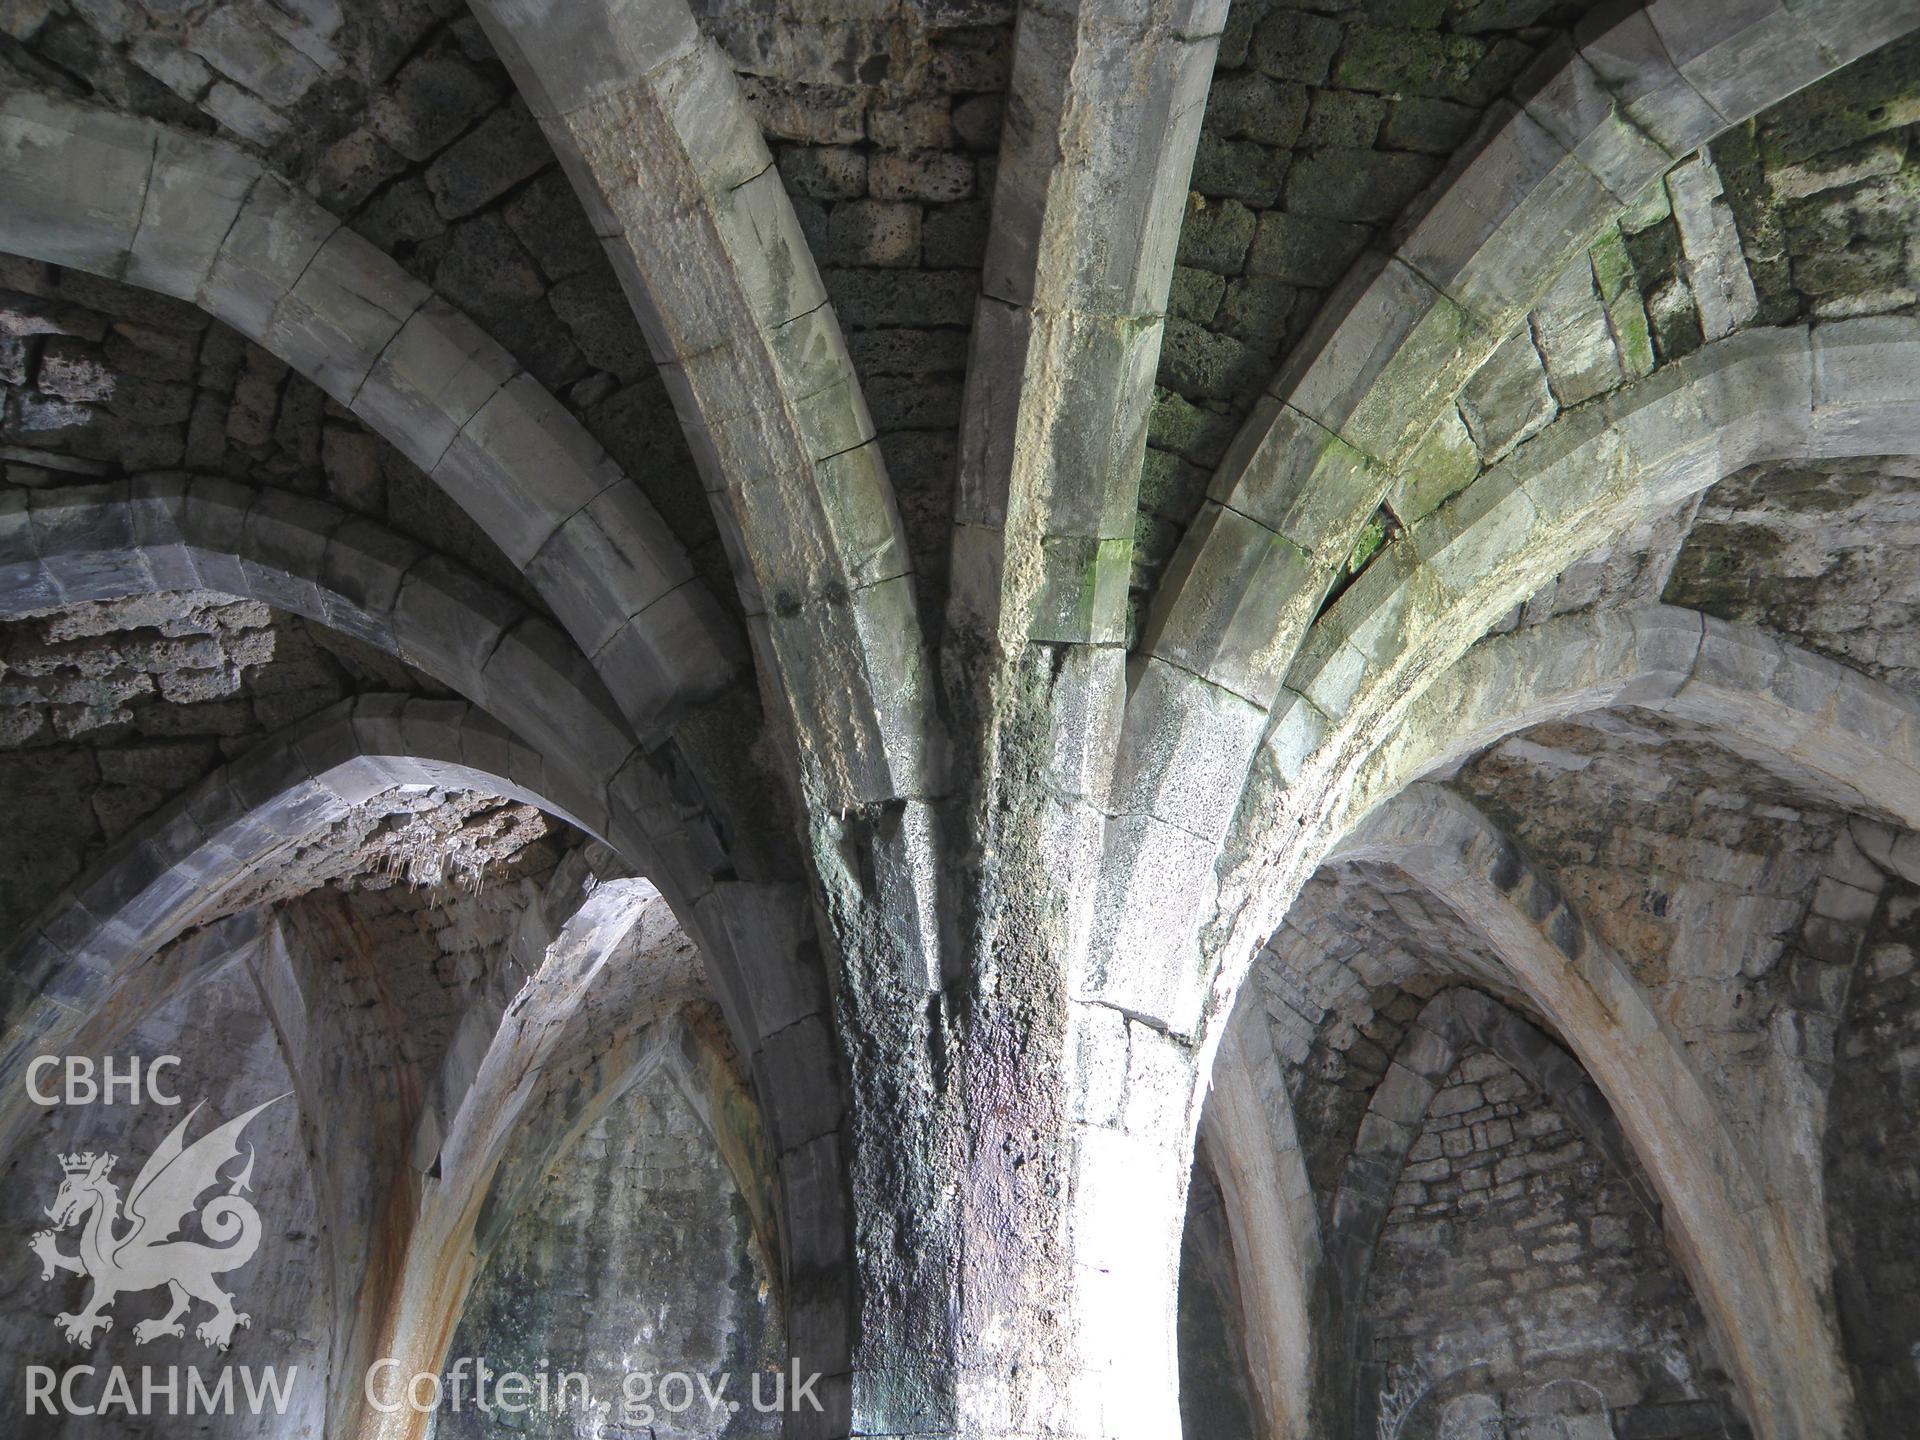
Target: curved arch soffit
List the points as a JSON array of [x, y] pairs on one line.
[[204, 222], [1315, 1304], [474, 1098], [1840, 389], [67, 967], [1832, 391], [173, 532], [1273, 1223], [1231, 635], [668, 160], [1844, 736], [1759, 1289], [1639, 88], [155, 533]]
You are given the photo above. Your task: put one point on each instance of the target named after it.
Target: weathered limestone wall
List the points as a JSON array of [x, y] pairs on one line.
[[634, 1254], [1822, 195], [1873, 1168], [418, 954], [1520, 1284], [1695, 867], [1816, 553], [1362, 951], [109, 709], [885, 126]]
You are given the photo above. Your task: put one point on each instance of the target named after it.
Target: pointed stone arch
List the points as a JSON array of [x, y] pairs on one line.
[[527, 1104], [1272, 1222], [1837, 389], [173, 531], [1762, 1289], [387, 1186], [1231, 633], [1794, 393], [164, 876], [202, 221], [1821, 724], [1636, 91]]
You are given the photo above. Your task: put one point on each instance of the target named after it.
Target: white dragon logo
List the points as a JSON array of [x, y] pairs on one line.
[[145, 1256]]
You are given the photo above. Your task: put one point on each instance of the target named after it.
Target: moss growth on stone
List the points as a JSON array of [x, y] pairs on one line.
[[1420, 63], [1373, 535], [1737, 156], [1442, 464], [1612, 268], [1176, 423], [1628, 319]]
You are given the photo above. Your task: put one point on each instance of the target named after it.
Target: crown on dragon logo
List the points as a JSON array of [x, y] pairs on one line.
[[126, 1252]]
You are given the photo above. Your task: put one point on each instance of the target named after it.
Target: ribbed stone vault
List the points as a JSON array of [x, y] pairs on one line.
[[1099, 719]]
